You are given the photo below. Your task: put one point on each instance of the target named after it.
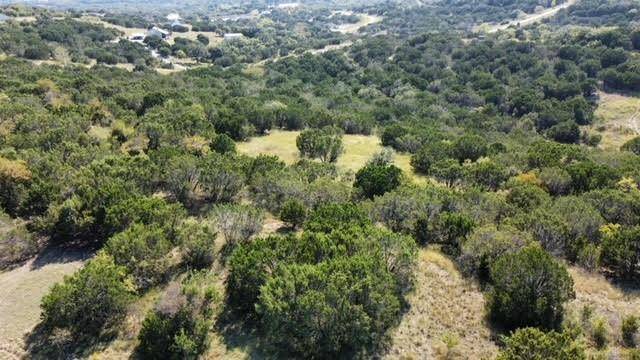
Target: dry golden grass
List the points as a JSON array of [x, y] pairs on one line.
[[24, 287], [365, 20], [125, 30], [214, 38], [606, 301], [358, 149], [617, 120], [446, 315]]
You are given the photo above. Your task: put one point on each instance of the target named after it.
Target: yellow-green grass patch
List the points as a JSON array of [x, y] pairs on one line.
[[358, 149], [617, 120]]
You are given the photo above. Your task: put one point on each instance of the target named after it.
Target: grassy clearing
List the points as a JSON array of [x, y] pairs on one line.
[[605, 301], [24, 287], [446, 315], [365, 20], [358, 150], [617, 120]]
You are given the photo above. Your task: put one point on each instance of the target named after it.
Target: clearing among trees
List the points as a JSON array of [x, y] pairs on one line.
[[619, 117], [358, 149]]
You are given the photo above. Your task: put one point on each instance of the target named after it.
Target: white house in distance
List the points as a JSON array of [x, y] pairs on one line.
[[289, 6], [174, 17], [157, 32], [233, 36]]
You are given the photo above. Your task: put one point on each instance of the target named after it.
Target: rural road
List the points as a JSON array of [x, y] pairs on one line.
[[533, 18]]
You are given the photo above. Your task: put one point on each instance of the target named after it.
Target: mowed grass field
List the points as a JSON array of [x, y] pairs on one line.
[[358, 149], [617, 120]]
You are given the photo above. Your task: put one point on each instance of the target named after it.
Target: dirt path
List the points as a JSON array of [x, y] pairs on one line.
[[23, 289], [531, 18]]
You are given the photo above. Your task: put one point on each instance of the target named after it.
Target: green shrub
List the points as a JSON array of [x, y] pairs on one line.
[[332, 309], [293, 212], [447, 229], [375, 180], [469, 147], [428, 155], [621, 252], [632, 145], [223, 144], [485, 245], [600, 333], [529, 289], [533, 344], [566, 132], [527, 197], [143, 210], [198, 245], [179, 326], [324, 144], [143, 251], [93, 299], [253, 264], [630, 327], [249, 268], [336, 216]]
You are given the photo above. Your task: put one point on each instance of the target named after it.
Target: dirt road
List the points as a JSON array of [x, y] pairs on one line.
[[532, 18]]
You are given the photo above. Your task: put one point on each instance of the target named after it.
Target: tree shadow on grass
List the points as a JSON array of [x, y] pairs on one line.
[[240, 333], [62, 254], [47, 343]]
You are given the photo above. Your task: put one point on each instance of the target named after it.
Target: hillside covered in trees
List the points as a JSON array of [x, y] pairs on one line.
[[312, 180]]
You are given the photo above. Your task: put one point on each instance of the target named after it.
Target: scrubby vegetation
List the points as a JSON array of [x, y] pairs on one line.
[[486, 153]]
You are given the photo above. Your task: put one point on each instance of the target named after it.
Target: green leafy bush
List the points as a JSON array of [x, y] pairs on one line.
[[143, 251], [447, 229], [375, 180], [198, 245], [621, 252], [324, 144], [92, 300], [179, 326], [600, 333], [293, 212], [332, 309], [630, 327], [533, 344], [336, 216], [529, 289], [351, 279], [485, 245]]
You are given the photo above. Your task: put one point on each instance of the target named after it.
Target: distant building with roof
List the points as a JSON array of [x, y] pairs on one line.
[[157, 32], [233, 36], [289, 6], [173, 17]]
